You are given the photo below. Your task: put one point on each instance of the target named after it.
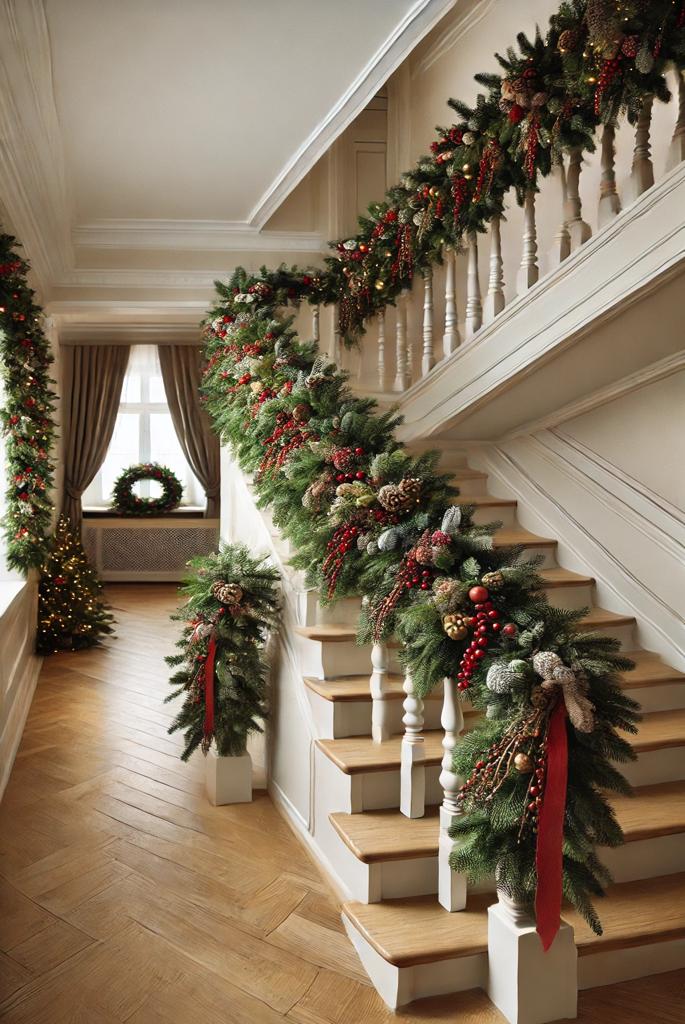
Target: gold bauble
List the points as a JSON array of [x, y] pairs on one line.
[[523, 763]]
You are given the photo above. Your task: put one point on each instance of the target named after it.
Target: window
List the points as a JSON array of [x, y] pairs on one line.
[[143, 433]]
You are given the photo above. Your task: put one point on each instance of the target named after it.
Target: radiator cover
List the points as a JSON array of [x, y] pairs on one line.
[[147, 549]]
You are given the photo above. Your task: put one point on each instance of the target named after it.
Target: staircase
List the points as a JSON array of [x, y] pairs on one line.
[[386, 863]]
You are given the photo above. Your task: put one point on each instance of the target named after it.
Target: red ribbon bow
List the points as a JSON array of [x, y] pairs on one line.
[[549, 850]]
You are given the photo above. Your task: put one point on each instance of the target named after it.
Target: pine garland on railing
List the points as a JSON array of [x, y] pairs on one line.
[[365, 517], [231, 605], [27, 413]]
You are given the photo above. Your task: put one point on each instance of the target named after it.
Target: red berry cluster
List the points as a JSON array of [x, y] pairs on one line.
[[486, 623], [344, 538], [610, 69], [285, 439]]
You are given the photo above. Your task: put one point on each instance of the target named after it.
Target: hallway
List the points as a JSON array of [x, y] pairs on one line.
[[125, 897]]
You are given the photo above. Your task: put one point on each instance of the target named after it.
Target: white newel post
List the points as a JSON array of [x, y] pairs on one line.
[[412, 771], [526, 984], [642, 171], [474, 308], [609, 202], [579, 231], [316, 313], [403, 370], [451, 886], [427, 359], [380, 725], [335, 354], [494, 300], [228, 780], [380, 319], [450, 339], [676, 151], [561, 246], [528, 271]]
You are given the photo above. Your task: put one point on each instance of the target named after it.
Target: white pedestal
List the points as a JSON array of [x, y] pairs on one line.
[[228, 779], [526, 984]]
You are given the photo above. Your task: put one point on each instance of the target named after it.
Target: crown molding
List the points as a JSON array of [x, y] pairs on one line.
[[112, 333], [417, 22], [192, 236], [86, 277]]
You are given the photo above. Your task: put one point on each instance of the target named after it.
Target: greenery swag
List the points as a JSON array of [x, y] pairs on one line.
[[221, 670], [126, 503], [27, 413]]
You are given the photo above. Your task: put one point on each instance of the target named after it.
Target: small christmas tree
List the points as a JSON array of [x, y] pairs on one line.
[[71, 614]]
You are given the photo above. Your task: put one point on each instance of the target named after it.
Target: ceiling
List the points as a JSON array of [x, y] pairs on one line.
[[126, 119]]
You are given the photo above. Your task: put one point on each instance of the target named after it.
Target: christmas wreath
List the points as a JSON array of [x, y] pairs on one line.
[[126, 503]]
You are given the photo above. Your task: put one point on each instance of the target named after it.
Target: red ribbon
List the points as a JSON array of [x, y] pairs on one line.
[[209, 687], [548, 854]]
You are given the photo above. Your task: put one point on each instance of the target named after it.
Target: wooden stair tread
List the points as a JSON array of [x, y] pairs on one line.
[[649, 668], [651, 811], [558, 577], [417, 930], [332, 633], [634, 914], [388, 835], [360, 754], [484, 501], [515, 536], [660, 729], [601, 618], [348, 688]]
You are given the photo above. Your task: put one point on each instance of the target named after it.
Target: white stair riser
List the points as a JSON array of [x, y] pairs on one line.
[[657, 697], [504, 514], [653, 766], [548, 556], [328, 660], [398, 986], [338, 719], [570, 597], [637, 962], [312, 613], [646, 858], [469, 485], [624, 634]]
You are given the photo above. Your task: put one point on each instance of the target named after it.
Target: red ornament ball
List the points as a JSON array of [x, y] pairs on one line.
[[510, 629], [478, 594]]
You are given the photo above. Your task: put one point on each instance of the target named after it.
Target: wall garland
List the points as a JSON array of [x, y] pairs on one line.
[[27, 413]]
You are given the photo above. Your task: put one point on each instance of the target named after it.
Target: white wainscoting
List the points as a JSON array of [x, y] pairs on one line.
[[147, 550], [19, 666]]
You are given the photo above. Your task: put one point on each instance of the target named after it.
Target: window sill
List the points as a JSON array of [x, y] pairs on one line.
[[186, 512]]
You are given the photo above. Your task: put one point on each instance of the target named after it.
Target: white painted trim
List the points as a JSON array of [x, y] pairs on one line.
[[192, 236], [417, 22], [451, 36], [130, 334]]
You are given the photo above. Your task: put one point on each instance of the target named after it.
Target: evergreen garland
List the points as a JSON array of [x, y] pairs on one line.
[[364, 517], [26, 414], [221, 669]]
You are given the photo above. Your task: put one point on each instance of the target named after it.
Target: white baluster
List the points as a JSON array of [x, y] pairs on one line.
[[380, 725], [450, 338], [337, 348], [427, 359], [579, 231], [474, 309], [413, 755], [403, 370], [609, 201], [494, 300], [528, 271], [451, 886], [380, 317], [676, 151], [561, 246], [316, 310], [642, 171]]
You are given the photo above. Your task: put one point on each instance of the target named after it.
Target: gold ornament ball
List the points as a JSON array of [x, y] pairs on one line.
[[379, 285], [523, 763]]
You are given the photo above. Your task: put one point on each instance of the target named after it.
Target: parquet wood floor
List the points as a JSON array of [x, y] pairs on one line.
[[125, 897]]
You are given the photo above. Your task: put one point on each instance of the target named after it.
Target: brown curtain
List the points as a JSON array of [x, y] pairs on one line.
[[93, 378], [181, 367]]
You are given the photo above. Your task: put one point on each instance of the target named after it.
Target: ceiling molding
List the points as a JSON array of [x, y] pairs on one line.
[[110, 277], [108, 333], [417, 22], [192, 236], [451, 36]]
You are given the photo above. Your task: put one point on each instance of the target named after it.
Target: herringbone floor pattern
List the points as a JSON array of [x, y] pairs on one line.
[[125, 897]]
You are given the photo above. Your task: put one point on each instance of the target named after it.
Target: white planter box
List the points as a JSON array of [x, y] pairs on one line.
[[228, 779]]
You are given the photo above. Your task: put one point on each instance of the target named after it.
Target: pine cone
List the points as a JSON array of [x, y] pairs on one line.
[[493, 580], [568, 40], [644, 62], [457, 626], [390, 498], [302, 413], [227, 593], [410, 488], [343, 459], [423, 554]]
